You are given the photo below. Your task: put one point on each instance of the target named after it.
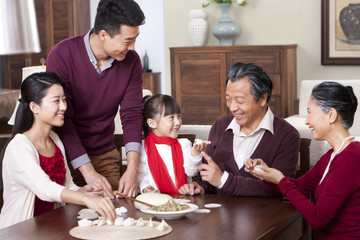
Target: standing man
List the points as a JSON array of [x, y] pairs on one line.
[[252, 130], [101, 71]]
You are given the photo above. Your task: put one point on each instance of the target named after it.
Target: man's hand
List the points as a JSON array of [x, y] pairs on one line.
[[128, 184], [191, 189], [210, 172], [94, 178]]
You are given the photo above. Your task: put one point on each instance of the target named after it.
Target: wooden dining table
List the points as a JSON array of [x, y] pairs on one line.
[[237, 218]]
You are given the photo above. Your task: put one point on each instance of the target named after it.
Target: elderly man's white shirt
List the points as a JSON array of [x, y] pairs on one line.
[[245, 145]]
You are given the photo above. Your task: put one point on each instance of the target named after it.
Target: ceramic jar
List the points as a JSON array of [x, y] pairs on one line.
[[225, 31], [350, 23], [197, 27]]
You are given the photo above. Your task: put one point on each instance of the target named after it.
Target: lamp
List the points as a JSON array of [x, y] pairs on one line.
[[18, 27]]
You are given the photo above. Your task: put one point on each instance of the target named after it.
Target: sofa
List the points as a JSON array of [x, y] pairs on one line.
[[318, 148]]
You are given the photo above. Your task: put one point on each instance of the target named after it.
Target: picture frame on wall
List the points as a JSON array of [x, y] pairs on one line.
[[340, 32]]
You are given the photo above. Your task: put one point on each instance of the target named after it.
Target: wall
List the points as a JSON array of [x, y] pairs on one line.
[[262, 22]]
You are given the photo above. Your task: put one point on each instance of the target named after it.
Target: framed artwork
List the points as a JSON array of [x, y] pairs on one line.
[[340, 32]]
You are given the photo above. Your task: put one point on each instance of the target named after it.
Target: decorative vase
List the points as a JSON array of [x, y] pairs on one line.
[[197, 27], [226, 30], [350, 23]]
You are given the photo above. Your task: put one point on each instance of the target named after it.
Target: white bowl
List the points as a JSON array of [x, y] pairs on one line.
[[170, 215]]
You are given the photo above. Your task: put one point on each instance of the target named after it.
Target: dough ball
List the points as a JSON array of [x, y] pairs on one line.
[[152, 198], [258, 168]]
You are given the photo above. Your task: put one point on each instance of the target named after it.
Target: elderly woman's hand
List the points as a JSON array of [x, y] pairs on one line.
[[259, 169]]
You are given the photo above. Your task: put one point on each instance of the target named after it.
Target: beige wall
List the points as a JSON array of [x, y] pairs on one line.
[[262, 22]]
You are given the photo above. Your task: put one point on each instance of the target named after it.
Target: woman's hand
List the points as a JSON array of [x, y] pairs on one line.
[[197, 148], [103, 205], [191, 189], [251, 163], [150, 189], [258, 168]]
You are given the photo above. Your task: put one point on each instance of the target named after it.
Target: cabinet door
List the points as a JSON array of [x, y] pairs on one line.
[[198, 83], [270, 61]]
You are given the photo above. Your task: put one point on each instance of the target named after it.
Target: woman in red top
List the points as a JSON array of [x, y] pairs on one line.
[[334, 180]]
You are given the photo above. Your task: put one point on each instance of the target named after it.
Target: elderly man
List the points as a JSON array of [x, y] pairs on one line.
[[101, 71], [251, 131]]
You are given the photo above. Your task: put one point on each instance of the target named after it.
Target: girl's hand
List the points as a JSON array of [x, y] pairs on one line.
[[191, 189], [150, 189], [199, 147], [103, 205], [92, 190]]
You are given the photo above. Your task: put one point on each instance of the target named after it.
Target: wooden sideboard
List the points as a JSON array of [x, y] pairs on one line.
[[198, 76], [152, 81]]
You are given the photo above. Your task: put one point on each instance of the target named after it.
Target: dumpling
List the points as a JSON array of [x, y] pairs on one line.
[[84, 223], [140, 222], [129, 222], [119, 221], [163, 226]]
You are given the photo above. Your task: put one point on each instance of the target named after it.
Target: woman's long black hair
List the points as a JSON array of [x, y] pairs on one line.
[[33, 89]]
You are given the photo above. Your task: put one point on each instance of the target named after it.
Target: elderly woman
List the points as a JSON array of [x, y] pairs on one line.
[[334, 180]]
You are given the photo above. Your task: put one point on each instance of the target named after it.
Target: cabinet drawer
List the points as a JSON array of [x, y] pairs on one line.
[[268, 60], [200, 114], [200, 77]]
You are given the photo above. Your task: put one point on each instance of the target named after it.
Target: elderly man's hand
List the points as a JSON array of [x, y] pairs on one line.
[[210, 172]]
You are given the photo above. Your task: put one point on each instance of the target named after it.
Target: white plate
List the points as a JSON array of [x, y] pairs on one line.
[[170, 215]]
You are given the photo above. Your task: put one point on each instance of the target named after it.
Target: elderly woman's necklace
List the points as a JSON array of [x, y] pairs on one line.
[[342, 147]]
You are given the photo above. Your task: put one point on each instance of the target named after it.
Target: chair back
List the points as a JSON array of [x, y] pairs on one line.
[[304, 157]]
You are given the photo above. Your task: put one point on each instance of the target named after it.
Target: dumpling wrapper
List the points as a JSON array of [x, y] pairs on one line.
[[202, 210], [152, 198], [87, 213], [212, 205], [182, 200]]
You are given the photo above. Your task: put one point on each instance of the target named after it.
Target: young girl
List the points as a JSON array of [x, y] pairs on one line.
[[34, 169], [166, 163]]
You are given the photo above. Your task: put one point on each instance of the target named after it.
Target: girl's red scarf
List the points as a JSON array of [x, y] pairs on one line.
[[158, 168]]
